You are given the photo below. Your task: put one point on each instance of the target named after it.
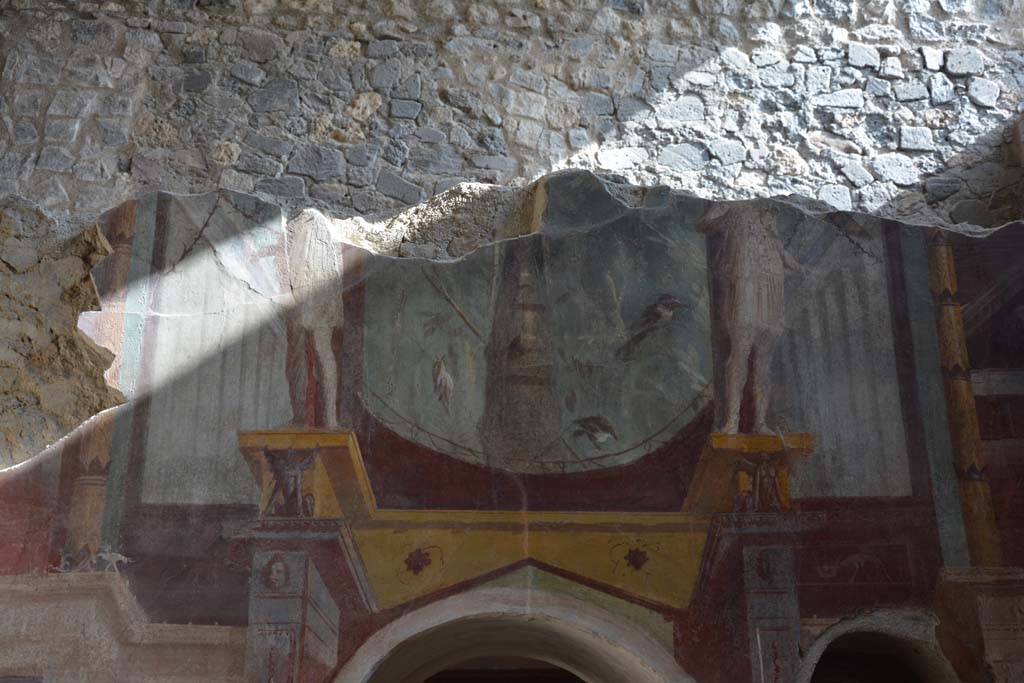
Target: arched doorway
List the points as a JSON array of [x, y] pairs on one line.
[[888, 646], [588, 642], [870, 658], [504, 670]]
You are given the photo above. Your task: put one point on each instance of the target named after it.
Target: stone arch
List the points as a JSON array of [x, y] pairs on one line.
[[585, 640], [903, 636]]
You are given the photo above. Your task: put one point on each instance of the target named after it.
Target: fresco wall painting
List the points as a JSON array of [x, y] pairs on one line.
[[729, 425]]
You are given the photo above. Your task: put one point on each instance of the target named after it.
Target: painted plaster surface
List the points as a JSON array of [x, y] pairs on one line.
[[713, 430]]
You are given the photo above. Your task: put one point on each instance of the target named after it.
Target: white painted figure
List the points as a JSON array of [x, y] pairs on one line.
[[315, 271], [747, 269]]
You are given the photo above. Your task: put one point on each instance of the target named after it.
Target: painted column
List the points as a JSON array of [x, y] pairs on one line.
[[968, 458], [293, 621]]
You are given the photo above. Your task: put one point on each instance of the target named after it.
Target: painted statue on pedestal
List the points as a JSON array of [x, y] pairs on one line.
[[315, 270], [747, 271]]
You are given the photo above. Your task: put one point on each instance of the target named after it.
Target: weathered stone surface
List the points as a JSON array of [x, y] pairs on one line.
[[55, 159], [277, 94], [862, 55], [247, 72], [393, 185], [24, 133], [679, 111], [836, 195], [910, 91], [61, 130], [728, 151], [916, 138], [964, 61], [405, 109], [847, 99], [285, 186], [52, 376], [857, 174], [317, 162], [896, 168], [684, 157], [937, 189], [942, 90], [983, 92]]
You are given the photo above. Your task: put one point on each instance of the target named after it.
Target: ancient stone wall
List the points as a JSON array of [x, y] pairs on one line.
[[356, 106]]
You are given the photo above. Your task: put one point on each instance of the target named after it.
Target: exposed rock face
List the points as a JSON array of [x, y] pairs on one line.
[[376, 107], [51, 374]]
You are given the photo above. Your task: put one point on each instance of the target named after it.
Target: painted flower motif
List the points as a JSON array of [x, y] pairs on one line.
[[636, 558], [417, 560]]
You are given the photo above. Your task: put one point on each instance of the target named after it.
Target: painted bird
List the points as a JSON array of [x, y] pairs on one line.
[[596, 428], [654, 317], [444, 385]]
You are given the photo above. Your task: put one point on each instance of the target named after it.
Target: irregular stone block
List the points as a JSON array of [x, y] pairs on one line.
[[362, 154], [836, 195], [496, 163], [405, 109], [818, 79], [285, 186], [891, 68], [850, 98], [578, 138], [250, 162], [896, 168], [529, 80], [983, 92], [910, 91], [113, 131], [275, 147], [728, 151], [964, 61], [861, 55], [24, 68], [939, 188], [24, 133], [431, 135], [684, 157], [247, 72], [933, 58], [385, 75], [622, 158], [277, 94], [71, 103], [916, 138], [28, 103], [941, 87], [686, 108], [378, 49], [55, 159], [392, 185], [61, 130], [89, 71], [317, 162], [196, 80], [597, 104], [261, 46], [857, 174]]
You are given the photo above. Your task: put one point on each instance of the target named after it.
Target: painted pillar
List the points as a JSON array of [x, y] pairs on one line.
[[293, 621], [106, 328], [968, 458]]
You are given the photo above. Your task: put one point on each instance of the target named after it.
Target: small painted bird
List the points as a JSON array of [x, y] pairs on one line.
[[653, 318], [596, 428], [444, 385]]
